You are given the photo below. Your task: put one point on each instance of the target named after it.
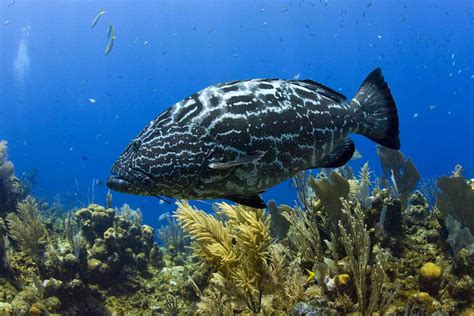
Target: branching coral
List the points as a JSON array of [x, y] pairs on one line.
[[130, 214], [304, 234], [172, 235], [363, 186], [72, 230], [237, 247], [429, 189], [456, 198], [26, 227], [213, 302], [300, 182], [292, 287], [356, 241]]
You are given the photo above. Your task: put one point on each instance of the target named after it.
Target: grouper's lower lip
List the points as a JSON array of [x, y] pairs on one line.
[[119, 184]]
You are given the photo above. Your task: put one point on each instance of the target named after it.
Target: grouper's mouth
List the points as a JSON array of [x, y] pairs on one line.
[[124, 180]]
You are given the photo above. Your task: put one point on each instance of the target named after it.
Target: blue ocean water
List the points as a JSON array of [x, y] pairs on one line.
[[52, 63]]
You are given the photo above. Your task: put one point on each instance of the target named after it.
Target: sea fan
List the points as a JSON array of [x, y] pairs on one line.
[[26, 227]]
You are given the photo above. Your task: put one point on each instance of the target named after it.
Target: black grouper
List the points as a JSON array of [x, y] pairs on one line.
[[234, 140]]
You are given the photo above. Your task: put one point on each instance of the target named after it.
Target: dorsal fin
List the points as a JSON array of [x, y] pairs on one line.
[[321, 89]]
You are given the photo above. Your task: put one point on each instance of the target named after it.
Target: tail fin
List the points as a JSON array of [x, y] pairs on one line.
[[376, 111]]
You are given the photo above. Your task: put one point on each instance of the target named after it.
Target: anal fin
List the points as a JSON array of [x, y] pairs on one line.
[[248, 200], [339, 156]]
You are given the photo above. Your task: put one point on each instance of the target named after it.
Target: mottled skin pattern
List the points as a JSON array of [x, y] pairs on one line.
[[287, 125]]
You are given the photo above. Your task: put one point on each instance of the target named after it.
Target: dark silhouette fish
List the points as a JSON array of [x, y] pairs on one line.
[[235, 140]]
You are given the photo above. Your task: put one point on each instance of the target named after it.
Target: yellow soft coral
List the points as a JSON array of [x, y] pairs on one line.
[[237, 247]]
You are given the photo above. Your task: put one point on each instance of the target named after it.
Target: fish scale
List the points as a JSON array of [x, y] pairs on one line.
[[236, 139]]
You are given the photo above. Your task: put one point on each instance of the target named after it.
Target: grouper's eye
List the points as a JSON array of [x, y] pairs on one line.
[[136, 144]]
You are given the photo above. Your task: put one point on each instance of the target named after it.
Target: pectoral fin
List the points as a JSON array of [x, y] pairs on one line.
[[248, 200], [339, 156], [237, 162]]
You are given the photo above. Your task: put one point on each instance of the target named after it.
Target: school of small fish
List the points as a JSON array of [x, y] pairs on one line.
[[110, 31]]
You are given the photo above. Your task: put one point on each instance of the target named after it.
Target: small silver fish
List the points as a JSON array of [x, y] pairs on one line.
[[164, 216], [109, 30], [110, 45], [97, 18]]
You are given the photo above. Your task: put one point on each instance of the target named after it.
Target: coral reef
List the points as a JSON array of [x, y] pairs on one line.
[[120, 247], [97, 253], [352, 245]]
